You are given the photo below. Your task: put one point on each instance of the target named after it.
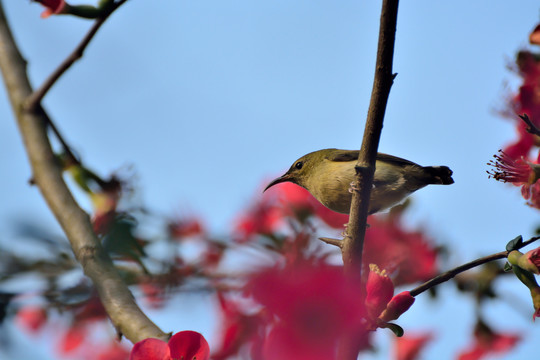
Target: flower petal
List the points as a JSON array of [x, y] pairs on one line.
[[150, 349], [189, 345]]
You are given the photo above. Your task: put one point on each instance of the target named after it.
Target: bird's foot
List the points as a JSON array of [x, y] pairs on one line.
[[353, 187]]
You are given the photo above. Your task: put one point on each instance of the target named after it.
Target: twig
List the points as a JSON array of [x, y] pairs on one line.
[[531, 128], [335, 242], [67, 149], [118, 301], [353, 243], [451, 273], [34, 100]]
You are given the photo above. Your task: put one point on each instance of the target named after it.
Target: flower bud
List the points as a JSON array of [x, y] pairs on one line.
[[397, 306]]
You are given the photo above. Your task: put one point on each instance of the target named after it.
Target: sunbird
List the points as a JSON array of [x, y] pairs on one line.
[[328, 174]]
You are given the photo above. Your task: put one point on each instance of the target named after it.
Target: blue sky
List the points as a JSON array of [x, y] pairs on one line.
[[206, 100]]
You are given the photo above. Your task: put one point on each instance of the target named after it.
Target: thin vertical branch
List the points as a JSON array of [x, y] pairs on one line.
[[118, 301], [353, 243]]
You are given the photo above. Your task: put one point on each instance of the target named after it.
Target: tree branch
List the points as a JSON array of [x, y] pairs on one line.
[[531, 128], [124, 313], [353, 243], [34, 100], [452, 273]]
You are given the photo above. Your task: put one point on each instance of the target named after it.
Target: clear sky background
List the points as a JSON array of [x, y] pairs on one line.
[[209, 99]]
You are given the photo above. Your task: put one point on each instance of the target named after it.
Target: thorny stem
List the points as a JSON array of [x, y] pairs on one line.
[[353, 242]]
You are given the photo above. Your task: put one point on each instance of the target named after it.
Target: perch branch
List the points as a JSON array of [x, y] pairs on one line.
[[353, 243]]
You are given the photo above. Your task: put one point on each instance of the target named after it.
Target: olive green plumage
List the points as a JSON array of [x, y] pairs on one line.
[[327, 174]]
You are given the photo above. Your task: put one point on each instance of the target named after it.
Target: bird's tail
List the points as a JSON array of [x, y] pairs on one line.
[[441, 175]]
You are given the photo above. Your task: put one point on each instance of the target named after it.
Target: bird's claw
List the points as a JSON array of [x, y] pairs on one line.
[[353, 187]]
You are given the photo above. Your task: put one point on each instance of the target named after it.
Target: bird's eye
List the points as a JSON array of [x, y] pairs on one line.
[[299, 165]]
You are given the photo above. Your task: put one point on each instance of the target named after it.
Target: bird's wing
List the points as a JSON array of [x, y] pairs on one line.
[[394, 159], [344, 155], [351, 155]]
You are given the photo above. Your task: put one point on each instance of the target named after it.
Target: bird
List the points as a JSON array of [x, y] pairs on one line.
[[329, 173]]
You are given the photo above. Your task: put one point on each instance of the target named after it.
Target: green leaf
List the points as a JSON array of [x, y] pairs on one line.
[[515, 243], [396, 329], [507, 267]]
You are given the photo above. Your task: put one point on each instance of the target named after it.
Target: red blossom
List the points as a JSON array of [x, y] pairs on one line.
[[407, 256], [113, 352], [213, 254], [379, 291], [314, 304], [487, 342], [187, 345], [72, 339], [508, 169], [182, 228], [525, 101], [408, 347], [520, 173], [153, 294], [263, 218], [238, 329], [531, 193], [31, 318]]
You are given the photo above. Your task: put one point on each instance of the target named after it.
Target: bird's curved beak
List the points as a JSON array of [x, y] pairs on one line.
[[283, 178]]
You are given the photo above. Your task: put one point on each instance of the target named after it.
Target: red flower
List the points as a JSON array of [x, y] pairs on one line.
[[519, 171], [531, 193], [54, 7], [408, 256], [487, 342], [379, 300], [238, 329], [113, 352], [408, 347], [379, 291], [187, 345], [153, 294], [72, 339], [182, 228], [314, 304], [526, 101], [31, 318], [263, 218]]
